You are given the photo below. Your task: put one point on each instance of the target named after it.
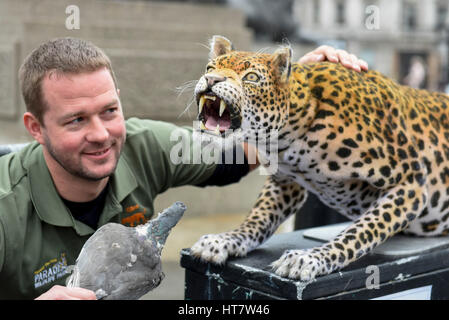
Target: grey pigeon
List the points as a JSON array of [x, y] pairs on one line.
[[119, 262]]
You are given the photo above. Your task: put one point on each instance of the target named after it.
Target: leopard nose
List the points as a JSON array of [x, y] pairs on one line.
[[212, 79]]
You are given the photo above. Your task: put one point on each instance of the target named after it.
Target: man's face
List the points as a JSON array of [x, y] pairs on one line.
[[84, 128]]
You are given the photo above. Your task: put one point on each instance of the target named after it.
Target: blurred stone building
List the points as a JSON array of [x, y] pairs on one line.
[[155, 48], [389, 34]]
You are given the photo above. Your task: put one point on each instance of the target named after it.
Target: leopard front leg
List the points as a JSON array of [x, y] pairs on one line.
[[278, 199], [390, 214]]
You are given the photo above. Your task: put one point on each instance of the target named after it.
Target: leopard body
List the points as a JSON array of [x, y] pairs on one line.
[[374, 150]]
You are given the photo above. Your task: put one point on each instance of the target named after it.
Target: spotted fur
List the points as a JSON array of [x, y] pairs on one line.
[[375, 151]]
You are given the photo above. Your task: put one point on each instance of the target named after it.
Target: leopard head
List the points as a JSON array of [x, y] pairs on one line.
[[243, 91]]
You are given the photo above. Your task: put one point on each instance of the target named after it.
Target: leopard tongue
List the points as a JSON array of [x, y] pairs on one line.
[[211, 123]]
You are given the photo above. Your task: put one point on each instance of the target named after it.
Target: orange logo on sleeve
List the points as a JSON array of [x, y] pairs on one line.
[[135, 219], [132, 208]]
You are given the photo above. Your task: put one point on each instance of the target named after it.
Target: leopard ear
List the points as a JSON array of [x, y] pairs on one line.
[[219, 45], [282, 61]]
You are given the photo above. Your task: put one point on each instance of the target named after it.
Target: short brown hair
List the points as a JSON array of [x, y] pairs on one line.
[[62, 55]]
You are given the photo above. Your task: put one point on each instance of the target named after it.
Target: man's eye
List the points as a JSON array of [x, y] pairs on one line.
[[253, 77], [76, 121], [110, 112]]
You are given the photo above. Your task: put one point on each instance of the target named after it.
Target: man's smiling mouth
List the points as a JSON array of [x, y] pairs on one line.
[[98, 153]]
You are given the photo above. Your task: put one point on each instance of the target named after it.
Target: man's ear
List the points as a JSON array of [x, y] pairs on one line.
[[33, 126], [282, 62], [219, 45]]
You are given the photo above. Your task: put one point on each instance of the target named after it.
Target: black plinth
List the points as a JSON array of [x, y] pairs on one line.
[[420, 271]]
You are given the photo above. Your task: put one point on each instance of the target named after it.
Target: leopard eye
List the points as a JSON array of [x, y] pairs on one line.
[[251, 76], [210, 69]]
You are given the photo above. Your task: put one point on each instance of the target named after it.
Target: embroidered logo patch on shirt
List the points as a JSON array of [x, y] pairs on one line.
[[50, 271]]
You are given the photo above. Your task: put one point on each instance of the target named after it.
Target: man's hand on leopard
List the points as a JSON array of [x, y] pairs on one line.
[[328, 53]]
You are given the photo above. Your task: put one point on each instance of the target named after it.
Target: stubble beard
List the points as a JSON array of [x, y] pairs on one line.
[[76, 168]]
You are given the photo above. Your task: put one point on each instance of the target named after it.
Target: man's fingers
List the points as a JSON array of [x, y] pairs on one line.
[[312, 57], [355, 62], [63, 293], [363, 64], [344, 58], [81, 293], [331, 54]]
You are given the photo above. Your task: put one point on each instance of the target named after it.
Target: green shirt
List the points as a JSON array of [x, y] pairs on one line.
[[39, 237]]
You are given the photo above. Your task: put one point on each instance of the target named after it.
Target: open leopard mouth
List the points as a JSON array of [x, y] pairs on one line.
[[216, 115]]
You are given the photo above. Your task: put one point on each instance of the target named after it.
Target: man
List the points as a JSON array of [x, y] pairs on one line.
[[87, 167]]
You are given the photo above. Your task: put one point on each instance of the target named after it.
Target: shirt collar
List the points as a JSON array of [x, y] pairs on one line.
[[51, 209], [123, 181]]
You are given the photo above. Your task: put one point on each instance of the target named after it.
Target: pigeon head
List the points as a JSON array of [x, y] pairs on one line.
[[158, 229]]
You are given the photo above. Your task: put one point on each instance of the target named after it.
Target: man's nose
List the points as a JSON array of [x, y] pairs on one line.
[[97, 131], [212, 79]]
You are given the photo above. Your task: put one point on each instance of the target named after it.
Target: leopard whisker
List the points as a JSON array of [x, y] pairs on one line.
[[203, 45], [192, 100], [262, 50], [187, 86]]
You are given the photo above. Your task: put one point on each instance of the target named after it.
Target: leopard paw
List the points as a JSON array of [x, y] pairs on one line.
[[216, 248], [302, 265]]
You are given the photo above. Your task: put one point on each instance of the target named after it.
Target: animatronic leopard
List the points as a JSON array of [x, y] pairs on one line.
[[375, 151]]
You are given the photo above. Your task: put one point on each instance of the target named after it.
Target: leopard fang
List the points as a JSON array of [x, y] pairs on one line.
[[201, 104], [222, 107]]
